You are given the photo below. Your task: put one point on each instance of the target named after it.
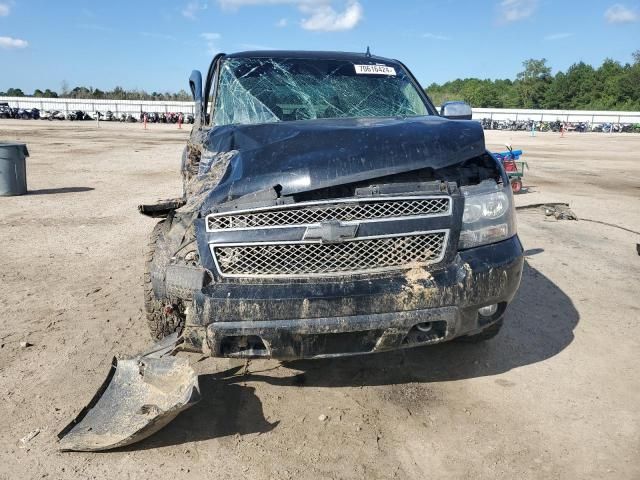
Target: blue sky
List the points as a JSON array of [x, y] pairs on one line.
[[154, 45]]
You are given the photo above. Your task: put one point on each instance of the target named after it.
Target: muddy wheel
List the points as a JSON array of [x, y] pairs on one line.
[[163, 318], [516, 185], [486, 334]]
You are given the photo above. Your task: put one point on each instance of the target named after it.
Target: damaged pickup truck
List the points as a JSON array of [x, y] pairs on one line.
[[328, 210]]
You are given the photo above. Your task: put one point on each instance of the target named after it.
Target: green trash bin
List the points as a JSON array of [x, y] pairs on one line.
[[13, 169]]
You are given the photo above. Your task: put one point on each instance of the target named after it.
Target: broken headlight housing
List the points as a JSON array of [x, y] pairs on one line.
[[489, 215]]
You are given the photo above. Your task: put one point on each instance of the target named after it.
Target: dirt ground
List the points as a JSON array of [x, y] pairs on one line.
[[555, 395]]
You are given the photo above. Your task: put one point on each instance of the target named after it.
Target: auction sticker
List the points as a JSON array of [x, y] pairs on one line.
[[375, 70]]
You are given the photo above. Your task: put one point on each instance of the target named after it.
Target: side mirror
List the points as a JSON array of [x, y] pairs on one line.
[[195, 84], [456, 111]]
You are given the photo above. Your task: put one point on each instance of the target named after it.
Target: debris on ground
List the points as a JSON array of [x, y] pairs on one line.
[[560, 211], [26, 344], [28, 437], [140, 396]]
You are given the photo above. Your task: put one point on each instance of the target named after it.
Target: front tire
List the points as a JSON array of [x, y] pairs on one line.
[[163, 317]]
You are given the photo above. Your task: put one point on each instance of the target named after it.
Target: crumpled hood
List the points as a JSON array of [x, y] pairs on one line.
[[308, 155]]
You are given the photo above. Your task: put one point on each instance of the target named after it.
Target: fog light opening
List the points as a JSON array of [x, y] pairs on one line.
[[488, 311], [243, 346]]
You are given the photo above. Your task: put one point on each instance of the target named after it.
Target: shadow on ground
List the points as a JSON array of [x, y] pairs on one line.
[[226, 409], [539, 325], [53, 191]]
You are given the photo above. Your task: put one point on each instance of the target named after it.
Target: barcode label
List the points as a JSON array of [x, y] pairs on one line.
[[375, 70]]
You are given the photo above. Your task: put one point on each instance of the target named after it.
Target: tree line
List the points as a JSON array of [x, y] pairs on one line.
[[611, 86]]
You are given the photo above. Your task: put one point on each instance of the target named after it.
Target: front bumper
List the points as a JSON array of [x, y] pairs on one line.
[[352, 316]]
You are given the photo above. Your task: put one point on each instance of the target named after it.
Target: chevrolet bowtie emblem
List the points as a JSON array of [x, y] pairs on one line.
[[332, 231]]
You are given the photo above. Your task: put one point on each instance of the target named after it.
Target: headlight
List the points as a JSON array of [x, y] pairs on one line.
[[488, 216]]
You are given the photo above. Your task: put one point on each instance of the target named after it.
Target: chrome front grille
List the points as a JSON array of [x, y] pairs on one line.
[[368, 254], [343, 210]]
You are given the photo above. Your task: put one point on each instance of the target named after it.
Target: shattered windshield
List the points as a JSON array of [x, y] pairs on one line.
[[265, 90]]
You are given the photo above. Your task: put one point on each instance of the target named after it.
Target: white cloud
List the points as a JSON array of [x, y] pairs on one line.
[[192, 8], [324, 18], [235, 4], [618, 13], [283, 22], [211, 36], [4, 9], [9, 42], [319, 15], [514, 10], [558, 36], [434, 36], [212, 42]]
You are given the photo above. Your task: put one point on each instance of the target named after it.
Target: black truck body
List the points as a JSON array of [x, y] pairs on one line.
[[305, 235]]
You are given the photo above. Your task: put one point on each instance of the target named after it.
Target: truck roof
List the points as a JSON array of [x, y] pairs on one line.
[[320, 55]]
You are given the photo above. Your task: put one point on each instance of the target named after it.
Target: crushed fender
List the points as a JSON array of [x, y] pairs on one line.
[[162, 208]]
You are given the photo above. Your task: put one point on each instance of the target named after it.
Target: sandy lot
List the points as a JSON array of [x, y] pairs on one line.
[[555, 395]]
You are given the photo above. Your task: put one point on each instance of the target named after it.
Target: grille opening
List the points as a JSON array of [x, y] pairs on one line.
[[417, 335], [343, 342], [243, 346], [340, 191], [469, 172], [315, 213], [360, 255]]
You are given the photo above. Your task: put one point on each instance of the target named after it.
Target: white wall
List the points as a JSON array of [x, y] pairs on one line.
[[137, 106], [86, 105], [553, 115]]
